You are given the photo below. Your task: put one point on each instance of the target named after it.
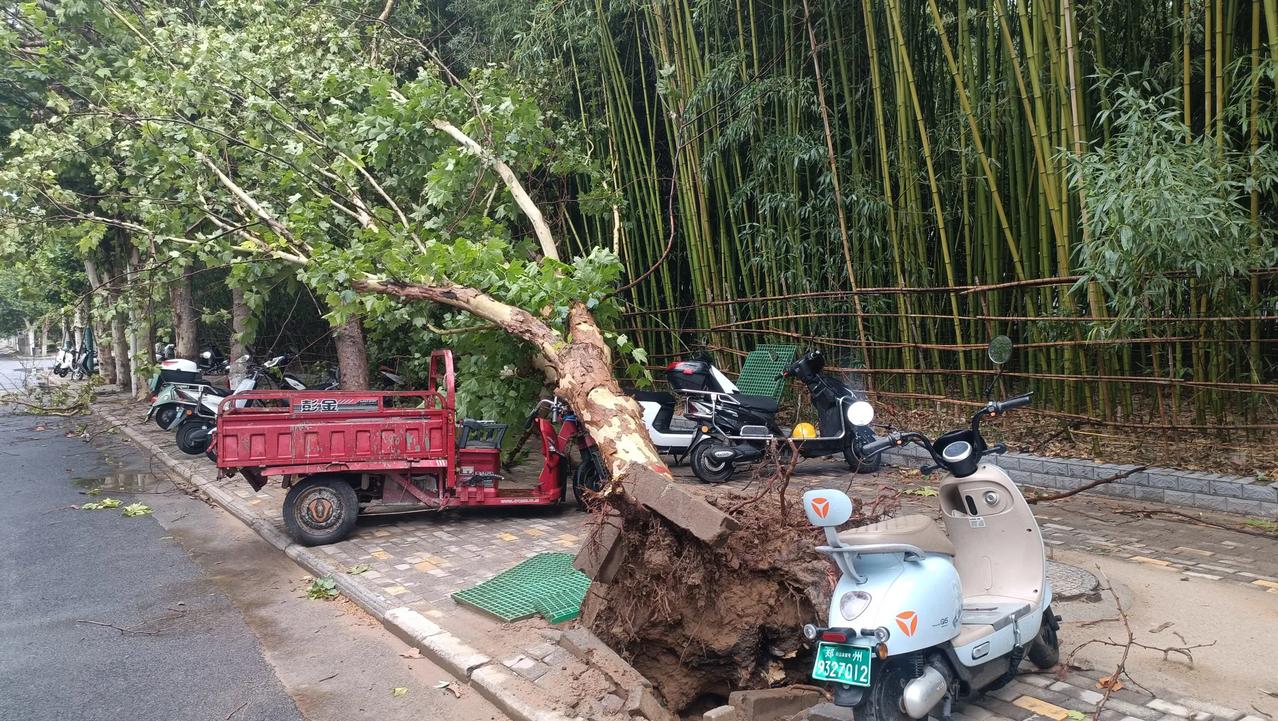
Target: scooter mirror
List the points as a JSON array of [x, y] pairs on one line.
[[1000, 350], [860, 414]]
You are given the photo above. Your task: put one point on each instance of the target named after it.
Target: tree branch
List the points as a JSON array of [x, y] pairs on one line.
[[1080, 489], [516, 321], [525, 201]]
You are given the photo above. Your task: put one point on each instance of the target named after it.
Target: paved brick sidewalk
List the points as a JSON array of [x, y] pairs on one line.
[[420, 559]]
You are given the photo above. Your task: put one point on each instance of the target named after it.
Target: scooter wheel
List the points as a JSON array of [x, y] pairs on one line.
[[165, 416], [1045, 650], [882, 700], [853, 458], [193, 437], [706, 467], [320, 510]]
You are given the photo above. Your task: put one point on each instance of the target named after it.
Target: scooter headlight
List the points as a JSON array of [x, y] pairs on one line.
[[853, 604]]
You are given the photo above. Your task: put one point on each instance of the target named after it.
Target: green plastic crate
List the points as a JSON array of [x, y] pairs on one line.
[[762, 366], [546, 583]]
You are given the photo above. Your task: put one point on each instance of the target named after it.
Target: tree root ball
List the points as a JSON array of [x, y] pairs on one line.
[[700, 621]]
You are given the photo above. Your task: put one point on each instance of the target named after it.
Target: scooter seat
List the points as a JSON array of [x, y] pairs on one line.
[[659, 397], [762, 404], [914, 530]]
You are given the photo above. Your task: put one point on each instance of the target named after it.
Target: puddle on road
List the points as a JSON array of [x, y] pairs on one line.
[[125, 482]]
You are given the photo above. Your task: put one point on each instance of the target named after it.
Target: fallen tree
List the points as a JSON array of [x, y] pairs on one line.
[[397, 195]]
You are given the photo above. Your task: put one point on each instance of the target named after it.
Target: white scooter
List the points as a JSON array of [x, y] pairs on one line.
[[922, 617], [697, 382]]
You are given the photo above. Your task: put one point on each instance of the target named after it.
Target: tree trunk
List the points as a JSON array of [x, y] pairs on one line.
[[44, 338], [100, 320], [105, 344], [352, 356], [239, 331], [120, 348], [143, 329], [185, 330], [31, 339]]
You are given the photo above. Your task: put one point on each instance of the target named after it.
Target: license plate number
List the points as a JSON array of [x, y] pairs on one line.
[[840, 663]]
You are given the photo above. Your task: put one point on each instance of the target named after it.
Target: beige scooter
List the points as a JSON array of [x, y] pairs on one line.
[[922, 616]]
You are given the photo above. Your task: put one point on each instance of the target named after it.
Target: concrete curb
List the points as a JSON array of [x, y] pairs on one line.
[[464, 662]]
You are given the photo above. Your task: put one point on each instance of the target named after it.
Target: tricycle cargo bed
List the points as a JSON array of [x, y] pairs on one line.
[[342, 453], [304, 432]]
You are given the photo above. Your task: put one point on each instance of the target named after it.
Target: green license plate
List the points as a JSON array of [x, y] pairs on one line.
[[840, 663]]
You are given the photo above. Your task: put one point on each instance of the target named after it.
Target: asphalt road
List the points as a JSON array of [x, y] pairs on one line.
[[182, 614], [73, 579]]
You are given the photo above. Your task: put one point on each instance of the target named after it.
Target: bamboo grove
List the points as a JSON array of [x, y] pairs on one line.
[[896, 182]]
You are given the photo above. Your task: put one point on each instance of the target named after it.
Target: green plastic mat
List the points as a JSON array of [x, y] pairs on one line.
[[546, 584], [759, 374]]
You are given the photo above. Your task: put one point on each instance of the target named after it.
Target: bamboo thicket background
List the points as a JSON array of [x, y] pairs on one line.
[[897, 182]]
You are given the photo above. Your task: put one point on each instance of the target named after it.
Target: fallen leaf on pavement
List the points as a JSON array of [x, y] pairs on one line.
[[1074, 715], [448, 686], [357, 569], [399, 691], [136, 509], [1110, 682], [925, 491], [411, 653], [1162, 626]]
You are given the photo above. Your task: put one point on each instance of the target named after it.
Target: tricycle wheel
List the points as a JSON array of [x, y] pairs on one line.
[[320, 510], [705, 467], [164, 416], [852, 452], [590, 476], [193, 437]]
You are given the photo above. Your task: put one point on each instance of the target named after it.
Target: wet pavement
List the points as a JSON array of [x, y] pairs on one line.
[[105, 617]]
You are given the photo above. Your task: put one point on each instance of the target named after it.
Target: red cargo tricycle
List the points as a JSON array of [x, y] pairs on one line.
[[341, 452]]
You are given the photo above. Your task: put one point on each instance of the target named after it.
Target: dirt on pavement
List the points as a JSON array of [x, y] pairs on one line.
[[1165, 609]]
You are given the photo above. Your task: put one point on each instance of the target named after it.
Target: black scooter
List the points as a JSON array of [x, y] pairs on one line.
[[727, 441]]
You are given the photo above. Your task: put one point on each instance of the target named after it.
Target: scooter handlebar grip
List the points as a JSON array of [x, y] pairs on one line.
[[878, 446], [1017, 402]]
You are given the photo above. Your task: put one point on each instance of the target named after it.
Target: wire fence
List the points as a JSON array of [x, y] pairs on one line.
[[1194, 373]]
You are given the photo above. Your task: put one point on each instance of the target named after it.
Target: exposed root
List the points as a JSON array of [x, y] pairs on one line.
[[697, 620]]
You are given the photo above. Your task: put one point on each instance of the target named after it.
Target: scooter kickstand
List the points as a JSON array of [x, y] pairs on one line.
[[946, 706]]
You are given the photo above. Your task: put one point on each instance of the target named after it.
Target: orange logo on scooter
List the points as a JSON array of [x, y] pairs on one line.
[[908, 621], [821, 507]]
